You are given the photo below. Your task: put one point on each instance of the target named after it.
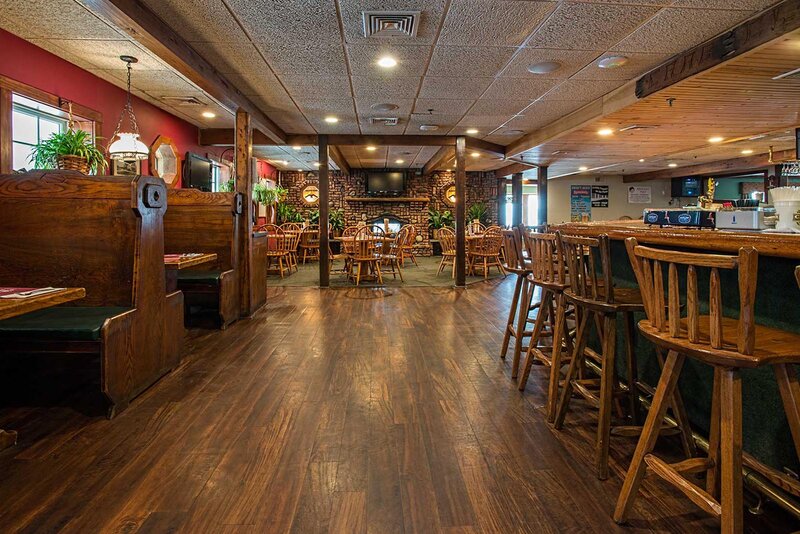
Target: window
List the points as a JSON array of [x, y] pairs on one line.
[[32, 122]]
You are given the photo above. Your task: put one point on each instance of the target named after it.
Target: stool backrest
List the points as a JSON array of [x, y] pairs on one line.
[[588, 262], [364, 244], [547, 261], [663, 307], [447, 240], [512, 240]]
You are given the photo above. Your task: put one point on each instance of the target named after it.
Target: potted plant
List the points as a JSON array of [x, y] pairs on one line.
[[269, 196], [479, 212], [288, 213], [227, 187], [438, 220], [72, 149], [336, 221]]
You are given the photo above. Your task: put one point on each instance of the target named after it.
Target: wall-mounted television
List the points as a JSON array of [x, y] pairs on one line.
[[687, 187], [197, 172], [386, 183]]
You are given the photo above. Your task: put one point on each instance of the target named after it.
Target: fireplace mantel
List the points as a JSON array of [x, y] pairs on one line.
[[387, 199]]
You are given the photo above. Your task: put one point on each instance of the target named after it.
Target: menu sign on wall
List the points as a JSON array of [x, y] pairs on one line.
[[641, 194], [580, 203], [600, 196]]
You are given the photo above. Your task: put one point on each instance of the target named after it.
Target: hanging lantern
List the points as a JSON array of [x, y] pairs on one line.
[[125, 144]]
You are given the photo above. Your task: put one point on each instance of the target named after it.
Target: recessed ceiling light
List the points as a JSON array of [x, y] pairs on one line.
[[297, 147], [331, 120], [715, 139], [583, 169], [387, 62], [209, 114], [475, 154], [641, 160], [544, 67], [371, 148], [399, 161], [449, 170], [612, 62], [428, 127], [747, 151], [299, 170], [384, 107], [605, 131], [472, 131], [672, 165], [317, 164]]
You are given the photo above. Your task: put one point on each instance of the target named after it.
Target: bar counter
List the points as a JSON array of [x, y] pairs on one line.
[[766, 432]]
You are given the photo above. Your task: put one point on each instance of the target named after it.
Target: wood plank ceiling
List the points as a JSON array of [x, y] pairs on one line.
[[465, 68]]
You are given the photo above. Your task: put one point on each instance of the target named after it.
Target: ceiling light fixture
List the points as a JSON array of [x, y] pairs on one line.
[[476, 154], [317, 164], [672, 165], [299, 170], [428, 127], [583, 169], [209, 114], [641, 160], [384, 107], [747, 151], [612, 62], [715, 139], [472, 131], [127, 144], [387, 62], [331, 120], [605, 131], [399, 161], [296, 147], [544, 67], [371, 148]]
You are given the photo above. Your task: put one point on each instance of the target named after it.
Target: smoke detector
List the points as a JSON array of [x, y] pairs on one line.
[[390, 23], [384, 121]]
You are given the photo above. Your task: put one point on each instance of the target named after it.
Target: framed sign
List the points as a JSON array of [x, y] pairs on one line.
[[580, 203], [126, 167], [640, 194], [599, 196]]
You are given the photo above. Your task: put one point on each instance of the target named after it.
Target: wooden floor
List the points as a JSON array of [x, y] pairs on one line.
[[344, 411]]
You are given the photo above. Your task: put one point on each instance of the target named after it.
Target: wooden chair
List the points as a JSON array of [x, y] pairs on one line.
[[486, 250], [548, 271], [447, 240], [475, 228], [391, 251], [278, 247], [364, 243], [296, 230], [519, 311], [724, 343], [407, 249], [309, 243], [346, 249], [591, 291]]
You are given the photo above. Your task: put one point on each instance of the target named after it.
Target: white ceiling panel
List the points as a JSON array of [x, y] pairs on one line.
[[509, 22], [50, 19], [445, 123], [340, 107], [431, 14], [157, 82], [291, 121], [638, 64], [571, 62], [411, 60], [231, 57], [381, 129], [452, 87], [475, 60], [589, 26], [385, 86], [541, 113], [105, 54], [199, 20], [518, 89], [442, 106], [746, 5], [317, 86], [485, 122], [276, 100], [485, 106], [582, 90], [317, 59], [348, 124], [52, 47], [364, 106], [289, 20]]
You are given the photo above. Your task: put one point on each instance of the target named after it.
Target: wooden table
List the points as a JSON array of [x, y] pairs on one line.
[[175, 262], [19, 306]]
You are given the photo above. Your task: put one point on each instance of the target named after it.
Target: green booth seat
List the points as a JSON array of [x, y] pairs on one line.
[[73, 323], [199, 277]]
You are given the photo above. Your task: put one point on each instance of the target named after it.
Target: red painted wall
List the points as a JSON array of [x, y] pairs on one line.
[[27, 63], [265, 170]]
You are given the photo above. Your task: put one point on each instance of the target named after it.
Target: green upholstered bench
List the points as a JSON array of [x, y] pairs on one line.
[[199, 277], [73, 323]]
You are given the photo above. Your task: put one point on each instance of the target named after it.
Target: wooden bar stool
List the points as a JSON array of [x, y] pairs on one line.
[[724, 343], [548, 271], [517, 324]]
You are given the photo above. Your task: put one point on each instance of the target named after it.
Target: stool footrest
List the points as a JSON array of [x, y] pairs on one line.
[[672, 474]]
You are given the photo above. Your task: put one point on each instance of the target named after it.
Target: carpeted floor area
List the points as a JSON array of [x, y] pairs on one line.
[[423, 275]]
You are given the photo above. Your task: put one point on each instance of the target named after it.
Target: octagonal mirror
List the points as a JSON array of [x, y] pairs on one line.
[[165, 161]]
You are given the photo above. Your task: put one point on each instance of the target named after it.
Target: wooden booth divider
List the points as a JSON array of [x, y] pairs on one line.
[[198, 221], [103, 233]]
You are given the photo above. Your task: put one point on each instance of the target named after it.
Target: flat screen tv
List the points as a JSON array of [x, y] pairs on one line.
[[197, 172], [687, 187], [386, 183]]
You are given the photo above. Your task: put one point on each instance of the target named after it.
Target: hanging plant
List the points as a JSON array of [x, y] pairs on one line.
[[72, 149]]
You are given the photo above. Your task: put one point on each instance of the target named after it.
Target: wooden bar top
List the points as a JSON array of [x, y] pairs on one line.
[[779, 245], [178, 261]]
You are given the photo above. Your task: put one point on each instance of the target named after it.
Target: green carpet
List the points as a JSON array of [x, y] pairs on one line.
[[423, 275]]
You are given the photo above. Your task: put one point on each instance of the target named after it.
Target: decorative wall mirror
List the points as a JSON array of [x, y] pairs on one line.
[[165, 161], [449, 194], [311, 194]]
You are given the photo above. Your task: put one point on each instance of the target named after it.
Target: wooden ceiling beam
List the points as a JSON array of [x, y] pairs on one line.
[[442, 156], [748, 163], [146, 28], [473, 143], [514, 168], [339, 159]]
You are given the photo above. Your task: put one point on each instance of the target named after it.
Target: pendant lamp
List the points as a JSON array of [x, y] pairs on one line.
[[125, 144]]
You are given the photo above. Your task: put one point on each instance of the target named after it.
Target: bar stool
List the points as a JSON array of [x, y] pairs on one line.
[[517, 323], [724, 343], [548, 271]]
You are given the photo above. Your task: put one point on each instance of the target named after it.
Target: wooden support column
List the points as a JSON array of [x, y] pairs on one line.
[[541, 191], [244, 186], [324, 206], [516, 194], [501, 201], [461, 213]]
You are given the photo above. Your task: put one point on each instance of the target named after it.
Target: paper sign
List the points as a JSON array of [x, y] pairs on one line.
[[640, 194], [580, 203]]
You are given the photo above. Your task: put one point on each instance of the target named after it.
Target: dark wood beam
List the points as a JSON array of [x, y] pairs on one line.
[[339, 159], [541, 192], [749, 163], [146, 28], [513, 168], [516, 195], [502, 184], [244, 186], [771, 24], [494, 149], [227, 137], [444, 155], [461, 213], [324, 207]]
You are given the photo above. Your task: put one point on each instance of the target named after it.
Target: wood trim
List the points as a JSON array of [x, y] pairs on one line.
[[337, 157], [513, 169], [473, 143], [225, 137], [5, 131], [745, 164], [771, 24], [145, 27], [442, 156], [244, 187]]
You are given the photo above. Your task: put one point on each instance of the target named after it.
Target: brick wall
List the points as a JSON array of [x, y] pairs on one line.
[[481, 187]]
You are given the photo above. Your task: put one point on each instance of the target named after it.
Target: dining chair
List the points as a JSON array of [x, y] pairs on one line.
[[309, 242], [486, 250], [447, 240], [408, 245], [345, 251], [521, 302], [390, 250], [278, 247], [364, 255]]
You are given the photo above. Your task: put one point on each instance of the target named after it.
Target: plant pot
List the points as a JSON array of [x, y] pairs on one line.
[[73, 163]]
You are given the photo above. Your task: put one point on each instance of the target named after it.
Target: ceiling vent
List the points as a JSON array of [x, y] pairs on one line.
[[634, 127], [791, 75], [183, 101], [384, 121], [390, 23]]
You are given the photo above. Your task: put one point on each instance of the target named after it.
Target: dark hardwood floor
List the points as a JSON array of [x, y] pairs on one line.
[[344, 411]]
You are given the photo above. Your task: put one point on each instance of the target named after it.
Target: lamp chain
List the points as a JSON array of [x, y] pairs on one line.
[[128, 109]]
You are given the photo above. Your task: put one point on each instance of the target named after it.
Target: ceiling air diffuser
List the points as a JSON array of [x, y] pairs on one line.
[[390, 23]]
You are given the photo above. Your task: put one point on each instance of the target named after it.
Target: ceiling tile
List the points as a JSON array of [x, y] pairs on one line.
[[582, 90], [200, 20], [452, 87], [571, 62], [542, 113], [385, 86], [675, 30], [589, 26], [510, 22], [411, 60], [317, 59], [485, 122], [365, 109], [105, 54], [54, 48], [62, 19], [491, 106], [289, 20], [431, 14], [445, 123], [317, 86], [231, 57], [518, 89], [291, 121], [321, 108], [276, 100], [380, 129], [157, 82], [637, 65], [348, 124], [746, 5], [475, 60], [442, 106]]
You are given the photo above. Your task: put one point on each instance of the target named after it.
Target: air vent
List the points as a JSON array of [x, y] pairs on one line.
[[390, 23], [634, 127], [791, 75], [183, 100], [384, 121]]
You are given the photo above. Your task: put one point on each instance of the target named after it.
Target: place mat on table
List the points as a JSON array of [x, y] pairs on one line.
[[174, 257], [26, 292]]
